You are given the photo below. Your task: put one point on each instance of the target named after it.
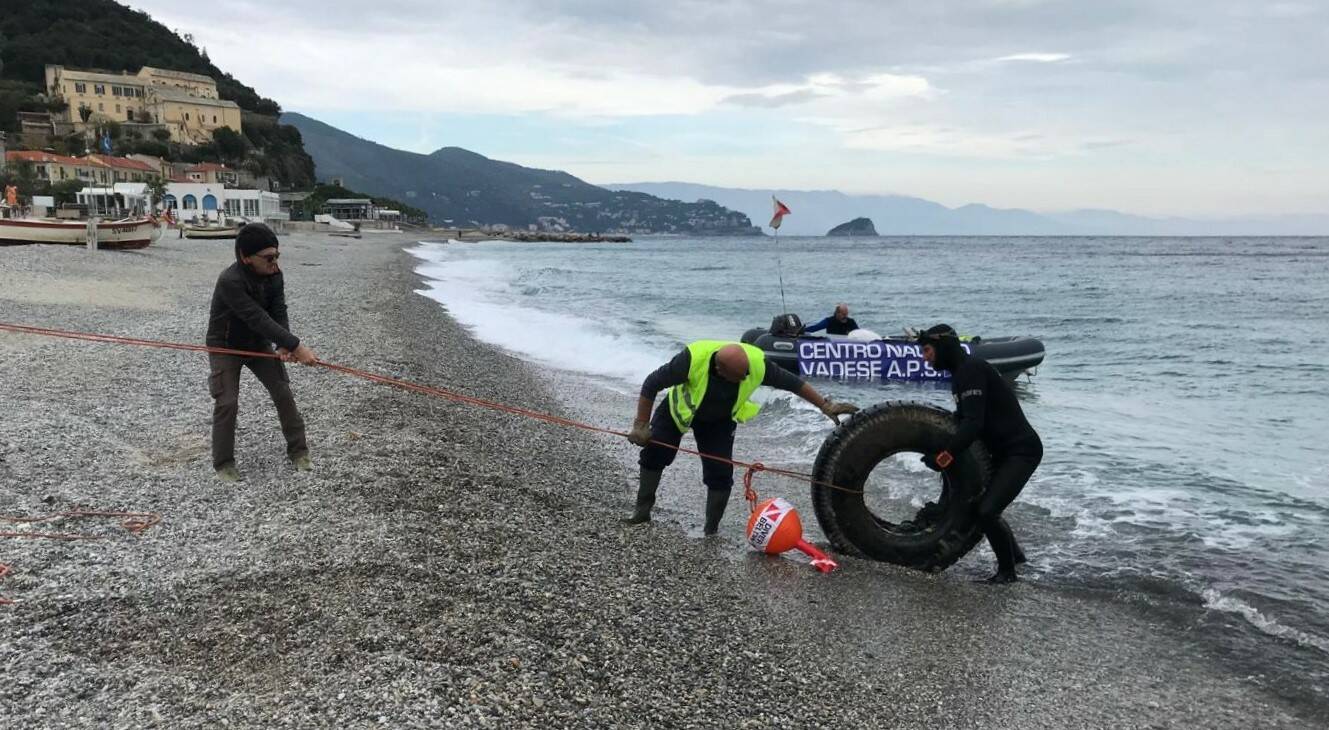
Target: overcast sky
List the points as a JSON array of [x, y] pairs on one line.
[[1185, 107]]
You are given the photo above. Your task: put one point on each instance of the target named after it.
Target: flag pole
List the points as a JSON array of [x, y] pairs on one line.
[[781, 210]]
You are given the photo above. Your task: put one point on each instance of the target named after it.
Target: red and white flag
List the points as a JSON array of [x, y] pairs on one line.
[[781, 210]]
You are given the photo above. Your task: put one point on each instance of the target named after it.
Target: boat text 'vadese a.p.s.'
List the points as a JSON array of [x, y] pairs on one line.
[[864, 355]]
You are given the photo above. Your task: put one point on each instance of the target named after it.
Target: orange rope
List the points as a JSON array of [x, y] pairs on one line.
[[751, 467], [138, 522], [135, 522]]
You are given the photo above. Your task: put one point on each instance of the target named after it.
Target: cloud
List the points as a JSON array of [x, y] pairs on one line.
[[771, 101], [1013, 81], [1035, 57]]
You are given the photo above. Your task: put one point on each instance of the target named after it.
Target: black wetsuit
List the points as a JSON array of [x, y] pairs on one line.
[[987, 409], [833, 326], [713, 424]]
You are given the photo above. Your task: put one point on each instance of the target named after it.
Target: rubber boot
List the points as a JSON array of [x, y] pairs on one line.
[[650, 482], [716, 501], [228, 473]]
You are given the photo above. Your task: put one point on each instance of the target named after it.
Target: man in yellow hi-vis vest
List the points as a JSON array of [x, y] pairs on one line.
[[710, 388]]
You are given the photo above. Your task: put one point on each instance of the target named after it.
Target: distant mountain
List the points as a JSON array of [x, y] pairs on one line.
[[461, 188], [815, 211], [855, 227]]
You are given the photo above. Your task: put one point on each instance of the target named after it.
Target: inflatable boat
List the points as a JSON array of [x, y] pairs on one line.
[[864, 355]]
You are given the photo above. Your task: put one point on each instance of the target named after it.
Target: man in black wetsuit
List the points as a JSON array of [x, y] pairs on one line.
[[710, 383], [987, 409], [839, 323]]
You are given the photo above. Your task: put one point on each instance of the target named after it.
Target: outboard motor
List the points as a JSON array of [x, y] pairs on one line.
[[786, 325]]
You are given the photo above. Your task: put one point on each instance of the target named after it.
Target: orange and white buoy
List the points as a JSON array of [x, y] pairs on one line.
[[775, 527]]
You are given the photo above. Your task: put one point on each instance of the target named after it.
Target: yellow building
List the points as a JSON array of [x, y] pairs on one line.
[[186, 104], [59, 168]]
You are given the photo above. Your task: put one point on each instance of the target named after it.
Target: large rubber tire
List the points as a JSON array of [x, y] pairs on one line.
[[854, 449]]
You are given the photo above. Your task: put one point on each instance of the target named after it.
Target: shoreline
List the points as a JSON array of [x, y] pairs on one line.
[[468, 235], [449, 565]]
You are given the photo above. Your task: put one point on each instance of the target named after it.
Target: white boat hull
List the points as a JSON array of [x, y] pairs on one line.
[[211, 233], [126, 234]]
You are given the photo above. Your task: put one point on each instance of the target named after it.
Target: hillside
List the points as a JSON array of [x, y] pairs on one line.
[[815, 211], [462, 188], [105, 35]]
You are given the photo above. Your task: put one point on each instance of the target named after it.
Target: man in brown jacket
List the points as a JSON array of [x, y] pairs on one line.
[[249, 313]]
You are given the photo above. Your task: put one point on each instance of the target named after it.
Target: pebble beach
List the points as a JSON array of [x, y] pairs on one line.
[[448, 566]]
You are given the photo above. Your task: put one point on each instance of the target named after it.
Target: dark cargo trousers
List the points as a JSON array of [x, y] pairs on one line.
[[224, 384]]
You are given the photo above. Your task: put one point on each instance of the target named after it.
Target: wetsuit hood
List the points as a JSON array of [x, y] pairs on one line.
[[946, 342]]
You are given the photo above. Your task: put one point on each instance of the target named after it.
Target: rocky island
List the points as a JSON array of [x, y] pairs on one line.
[[855, 227]]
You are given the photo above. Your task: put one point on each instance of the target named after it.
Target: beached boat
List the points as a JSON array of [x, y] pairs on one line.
[[864, 355], [112, 235], [211, 232]]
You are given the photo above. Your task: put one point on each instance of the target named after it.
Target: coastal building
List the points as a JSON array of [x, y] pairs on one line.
[[293, 204], [192, 201], [91, 169], [211, 172], [54, 168], [199, 202], [351, 209], [161, 167], [121, 200], [125, 169], [255, 205], [36, 130], [187, 105]]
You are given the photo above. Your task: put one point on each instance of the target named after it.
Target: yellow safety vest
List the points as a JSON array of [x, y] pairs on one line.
[[684, 399]]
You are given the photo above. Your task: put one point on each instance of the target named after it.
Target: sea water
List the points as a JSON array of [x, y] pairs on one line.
[[1182, 404]]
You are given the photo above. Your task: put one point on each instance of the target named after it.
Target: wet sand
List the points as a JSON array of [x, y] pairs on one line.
[[445, 565]]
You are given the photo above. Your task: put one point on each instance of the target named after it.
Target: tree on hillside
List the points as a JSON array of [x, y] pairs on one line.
[[105, 34], [154, 148], [76, 145], [15, 97], [229, 143]]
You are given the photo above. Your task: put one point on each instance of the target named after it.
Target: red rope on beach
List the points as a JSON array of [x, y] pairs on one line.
[[752, 467], [135, 522], [749, 493]]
